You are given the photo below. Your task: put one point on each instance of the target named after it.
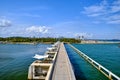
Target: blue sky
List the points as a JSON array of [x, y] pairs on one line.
[[94, 19]]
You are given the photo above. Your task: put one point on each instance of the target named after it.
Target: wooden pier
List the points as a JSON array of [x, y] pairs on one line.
[[63, 68]]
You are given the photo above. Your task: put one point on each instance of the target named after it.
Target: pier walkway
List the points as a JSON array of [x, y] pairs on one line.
[[63, 68]]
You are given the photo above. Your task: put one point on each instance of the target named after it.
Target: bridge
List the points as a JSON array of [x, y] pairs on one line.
[[63, 69]]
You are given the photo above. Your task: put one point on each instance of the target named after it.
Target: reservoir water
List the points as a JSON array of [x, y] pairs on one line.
[[16, 58], [106, 54]]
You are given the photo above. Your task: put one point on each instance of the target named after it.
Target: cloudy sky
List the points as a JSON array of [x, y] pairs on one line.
[[96, 19]]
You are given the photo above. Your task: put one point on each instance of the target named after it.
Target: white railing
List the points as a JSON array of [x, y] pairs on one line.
[[102, 69]]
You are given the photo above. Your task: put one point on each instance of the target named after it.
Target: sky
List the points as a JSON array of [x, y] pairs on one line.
[[93, 19]]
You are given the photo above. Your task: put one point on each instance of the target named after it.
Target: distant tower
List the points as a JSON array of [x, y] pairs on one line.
[[79, 37], [82, 37]]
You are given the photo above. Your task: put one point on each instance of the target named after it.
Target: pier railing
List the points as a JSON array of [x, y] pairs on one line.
[[98, 66], [54, 62]]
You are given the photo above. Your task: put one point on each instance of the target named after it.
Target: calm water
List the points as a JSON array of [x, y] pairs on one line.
[[83, 70], [106, 54], [16, 58]]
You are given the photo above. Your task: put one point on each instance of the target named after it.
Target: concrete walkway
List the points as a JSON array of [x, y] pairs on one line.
[[63, 69]]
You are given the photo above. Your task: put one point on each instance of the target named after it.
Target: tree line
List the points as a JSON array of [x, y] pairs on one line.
[[38, 40]]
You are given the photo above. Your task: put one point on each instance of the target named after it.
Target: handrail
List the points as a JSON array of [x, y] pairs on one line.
[[102, 69]]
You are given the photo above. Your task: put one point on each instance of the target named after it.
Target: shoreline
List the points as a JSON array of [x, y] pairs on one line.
[[82, 42], [33, 43], [99, 42]]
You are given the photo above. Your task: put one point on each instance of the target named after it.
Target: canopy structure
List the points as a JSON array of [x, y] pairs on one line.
[[53, 45], [51, 48], [37, 56]]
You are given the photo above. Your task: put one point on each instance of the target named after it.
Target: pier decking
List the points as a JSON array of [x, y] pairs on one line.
[[63, 69]]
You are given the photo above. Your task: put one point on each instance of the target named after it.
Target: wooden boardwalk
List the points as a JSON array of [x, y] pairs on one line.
[[63, 69]]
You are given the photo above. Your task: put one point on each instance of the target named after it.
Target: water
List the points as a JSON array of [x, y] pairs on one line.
[[16, 58], [107, 55], [82, 69]]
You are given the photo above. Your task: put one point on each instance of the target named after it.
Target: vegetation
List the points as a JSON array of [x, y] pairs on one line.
[[38, 40], [70, 40]]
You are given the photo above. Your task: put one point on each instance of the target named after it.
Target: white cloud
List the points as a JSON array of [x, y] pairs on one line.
[[116, 6], [104, 12], [39, 29], [69, 32], [36, 31], [114, 22], [5, 23], [94, 10], [113, 19]]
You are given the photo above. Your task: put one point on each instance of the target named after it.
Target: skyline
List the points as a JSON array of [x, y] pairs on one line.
[[94, 19]]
